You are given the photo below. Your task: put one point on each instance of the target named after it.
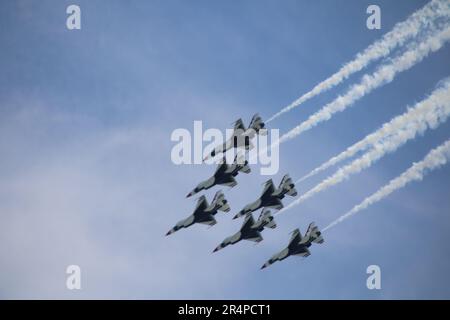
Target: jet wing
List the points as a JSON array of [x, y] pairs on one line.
[[304, 253], [229, 181], [269, 188], [295, 238], [248, 222], [253, 236], [207, 219], [201, 206], [221, 168], [274, 203]]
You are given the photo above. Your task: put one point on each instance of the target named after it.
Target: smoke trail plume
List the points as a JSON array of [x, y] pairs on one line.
[[432, 120], [434, 159], [419, 111], [401, 32], [381, 76]]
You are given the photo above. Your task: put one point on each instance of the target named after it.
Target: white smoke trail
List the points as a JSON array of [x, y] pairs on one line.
[[381, 76], [401, 32], [432, 120], [420, 110], [434, 159]]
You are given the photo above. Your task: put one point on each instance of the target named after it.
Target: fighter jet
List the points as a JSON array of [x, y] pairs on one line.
[[298, 246], [250, 229], [241, 136], [271, 197], [204, 213], [224, 175]]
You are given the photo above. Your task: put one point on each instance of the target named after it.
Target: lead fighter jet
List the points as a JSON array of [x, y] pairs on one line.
[[241, 136], [270, 197], [224, 175], [204, 213], [250, 229], [297, 245]]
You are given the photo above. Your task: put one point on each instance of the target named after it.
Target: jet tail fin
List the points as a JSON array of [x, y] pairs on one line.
[[314, 234], [220, 203], [257, 124], [267, 218], [287, 186]]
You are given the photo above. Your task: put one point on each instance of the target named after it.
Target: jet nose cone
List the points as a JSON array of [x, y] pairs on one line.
[[265, 265], [169, 232], [239, 214], [189, 195], [216, 249]]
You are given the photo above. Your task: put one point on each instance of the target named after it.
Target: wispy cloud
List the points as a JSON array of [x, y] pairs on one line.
[[93, 197]]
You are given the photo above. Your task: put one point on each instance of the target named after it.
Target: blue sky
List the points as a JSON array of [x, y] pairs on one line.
[[86, 176]]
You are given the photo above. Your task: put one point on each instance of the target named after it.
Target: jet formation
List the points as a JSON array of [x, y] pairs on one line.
[[250, 230]]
